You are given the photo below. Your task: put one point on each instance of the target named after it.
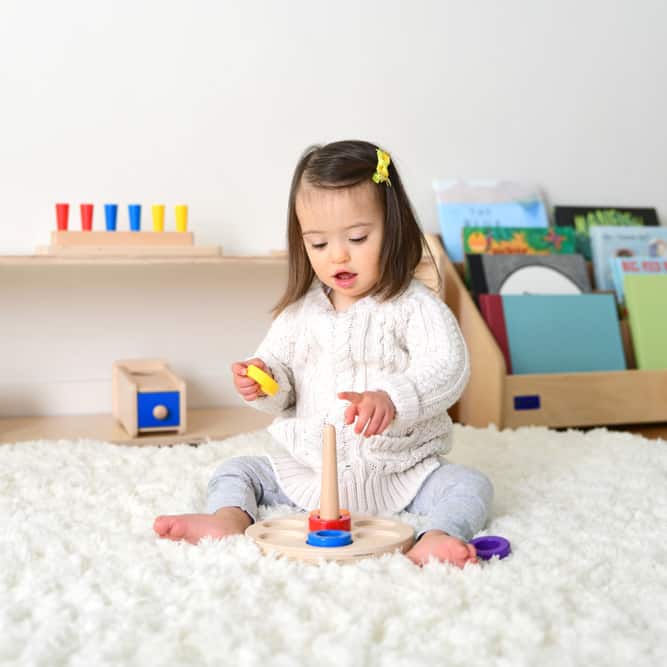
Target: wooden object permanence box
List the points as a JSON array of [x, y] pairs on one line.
[[147, 397]]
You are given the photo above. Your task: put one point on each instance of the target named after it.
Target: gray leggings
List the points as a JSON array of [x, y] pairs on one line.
[[455, 499]]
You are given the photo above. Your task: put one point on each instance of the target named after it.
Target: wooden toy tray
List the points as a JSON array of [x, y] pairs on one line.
[[371, 536]]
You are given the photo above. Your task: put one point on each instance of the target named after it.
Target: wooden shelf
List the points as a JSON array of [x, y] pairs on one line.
[[117, 260], [424, 272], [203, 425]]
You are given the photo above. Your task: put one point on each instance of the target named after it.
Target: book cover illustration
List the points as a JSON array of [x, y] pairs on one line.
[[528, 274], [518, 240], [637, 265], [646, 301], [484, 204], [608, 242], [582, 218]]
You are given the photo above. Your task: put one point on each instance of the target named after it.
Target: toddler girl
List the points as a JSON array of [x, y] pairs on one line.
[[356, 342]]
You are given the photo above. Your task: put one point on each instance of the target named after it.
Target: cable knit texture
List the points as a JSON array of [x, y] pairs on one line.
[[411, 347]]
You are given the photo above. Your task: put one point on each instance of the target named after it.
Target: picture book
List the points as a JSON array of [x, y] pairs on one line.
[[528, 274], [561, 333], [582, 218], [608, 242], [491, 307], [646, 302], [484, 204], [623, 266], [518, 240]]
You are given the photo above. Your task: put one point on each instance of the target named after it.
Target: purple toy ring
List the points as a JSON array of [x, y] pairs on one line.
[[488, 546]]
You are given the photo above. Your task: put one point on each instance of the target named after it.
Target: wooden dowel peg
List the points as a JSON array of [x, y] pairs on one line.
[[329, 503]]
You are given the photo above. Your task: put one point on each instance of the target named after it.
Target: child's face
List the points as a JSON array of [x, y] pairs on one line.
[[342, 231]]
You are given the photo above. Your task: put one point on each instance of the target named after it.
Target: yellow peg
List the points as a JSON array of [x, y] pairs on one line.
[[181, 218], [158, 217]]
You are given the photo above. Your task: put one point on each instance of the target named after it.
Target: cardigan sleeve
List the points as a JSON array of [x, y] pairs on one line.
[[438, 368], [277, 352]]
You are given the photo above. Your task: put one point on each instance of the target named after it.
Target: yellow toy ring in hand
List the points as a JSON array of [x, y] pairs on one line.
[[266, 383]]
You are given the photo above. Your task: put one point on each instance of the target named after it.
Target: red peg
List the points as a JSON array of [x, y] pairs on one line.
[[62, 213], [86, 217]]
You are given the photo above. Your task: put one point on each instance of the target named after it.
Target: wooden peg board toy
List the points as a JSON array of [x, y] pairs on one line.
[[323, 534], [147, 397], [132, 242]]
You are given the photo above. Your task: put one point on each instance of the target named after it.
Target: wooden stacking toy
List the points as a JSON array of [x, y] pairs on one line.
[[147, 397], [331, 533]]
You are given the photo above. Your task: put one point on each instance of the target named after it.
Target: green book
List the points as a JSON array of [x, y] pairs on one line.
[[646, 301], [518, 240], [582, 218]]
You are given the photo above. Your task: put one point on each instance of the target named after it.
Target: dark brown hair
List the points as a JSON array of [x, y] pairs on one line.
[[345, 164]]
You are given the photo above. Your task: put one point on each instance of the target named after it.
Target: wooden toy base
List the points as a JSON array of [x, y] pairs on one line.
[[124, 243], [121, 238], [130, 251], [371, 536]]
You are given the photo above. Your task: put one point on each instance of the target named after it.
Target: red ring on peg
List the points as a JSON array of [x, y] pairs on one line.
[[343, 522]]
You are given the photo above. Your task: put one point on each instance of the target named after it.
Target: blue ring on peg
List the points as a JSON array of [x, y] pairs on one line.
[[329, 538]]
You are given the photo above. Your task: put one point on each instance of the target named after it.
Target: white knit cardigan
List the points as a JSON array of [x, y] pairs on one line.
[[410, 346]]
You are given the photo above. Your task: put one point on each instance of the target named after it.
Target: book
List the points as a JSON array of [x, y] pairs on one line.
[[560, 333], [582, 218], [528, 274], [518, 240], [646, 302], [623, 266], [491, 307], [484, 204], [608, 242]]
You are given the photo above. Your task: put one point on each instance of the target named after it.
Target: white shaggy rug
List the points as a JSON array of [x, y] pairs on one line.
[[85, 582]]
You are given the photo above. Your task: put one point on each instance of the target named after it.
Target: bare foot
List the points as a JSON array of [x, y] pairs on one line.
[[192, 527], [440, 546]]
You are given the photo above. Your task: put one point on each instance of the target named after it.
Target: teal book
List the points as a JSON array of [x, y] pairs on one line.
[[646, 301], [563, 333]]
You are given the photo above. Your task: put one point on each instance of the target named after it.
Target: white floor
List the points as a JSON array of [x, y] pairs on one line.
[[84, 581]]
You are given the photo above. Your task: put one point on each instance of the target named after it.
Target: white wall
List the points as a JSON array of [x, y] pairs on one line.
[[211, 102]]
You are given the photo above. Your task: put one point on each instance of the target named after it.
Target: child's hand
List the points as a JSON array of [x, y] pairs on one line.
[[247, 388], [373, 410]]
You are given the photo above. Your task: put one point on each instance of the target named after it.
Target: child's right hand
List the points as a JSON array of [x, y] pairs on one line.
[[247, 388]]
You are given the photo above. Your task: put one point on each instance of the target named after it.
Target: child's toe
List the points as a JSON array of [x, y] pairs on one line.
[[161, 525], [173, 527], [177, 529], [461, 551]]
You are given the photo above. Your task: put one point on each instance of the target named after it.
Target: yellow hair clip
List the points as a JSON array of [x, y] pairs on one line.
[[381, 174]]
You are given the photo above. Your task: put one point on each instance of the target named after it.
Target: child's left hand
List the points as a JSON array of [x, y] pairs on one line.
[[373, 410]]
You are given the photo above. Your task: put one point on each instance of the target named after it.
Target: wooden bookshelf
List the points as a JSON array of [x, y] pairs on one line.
[[203, 424], [632, 399]]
